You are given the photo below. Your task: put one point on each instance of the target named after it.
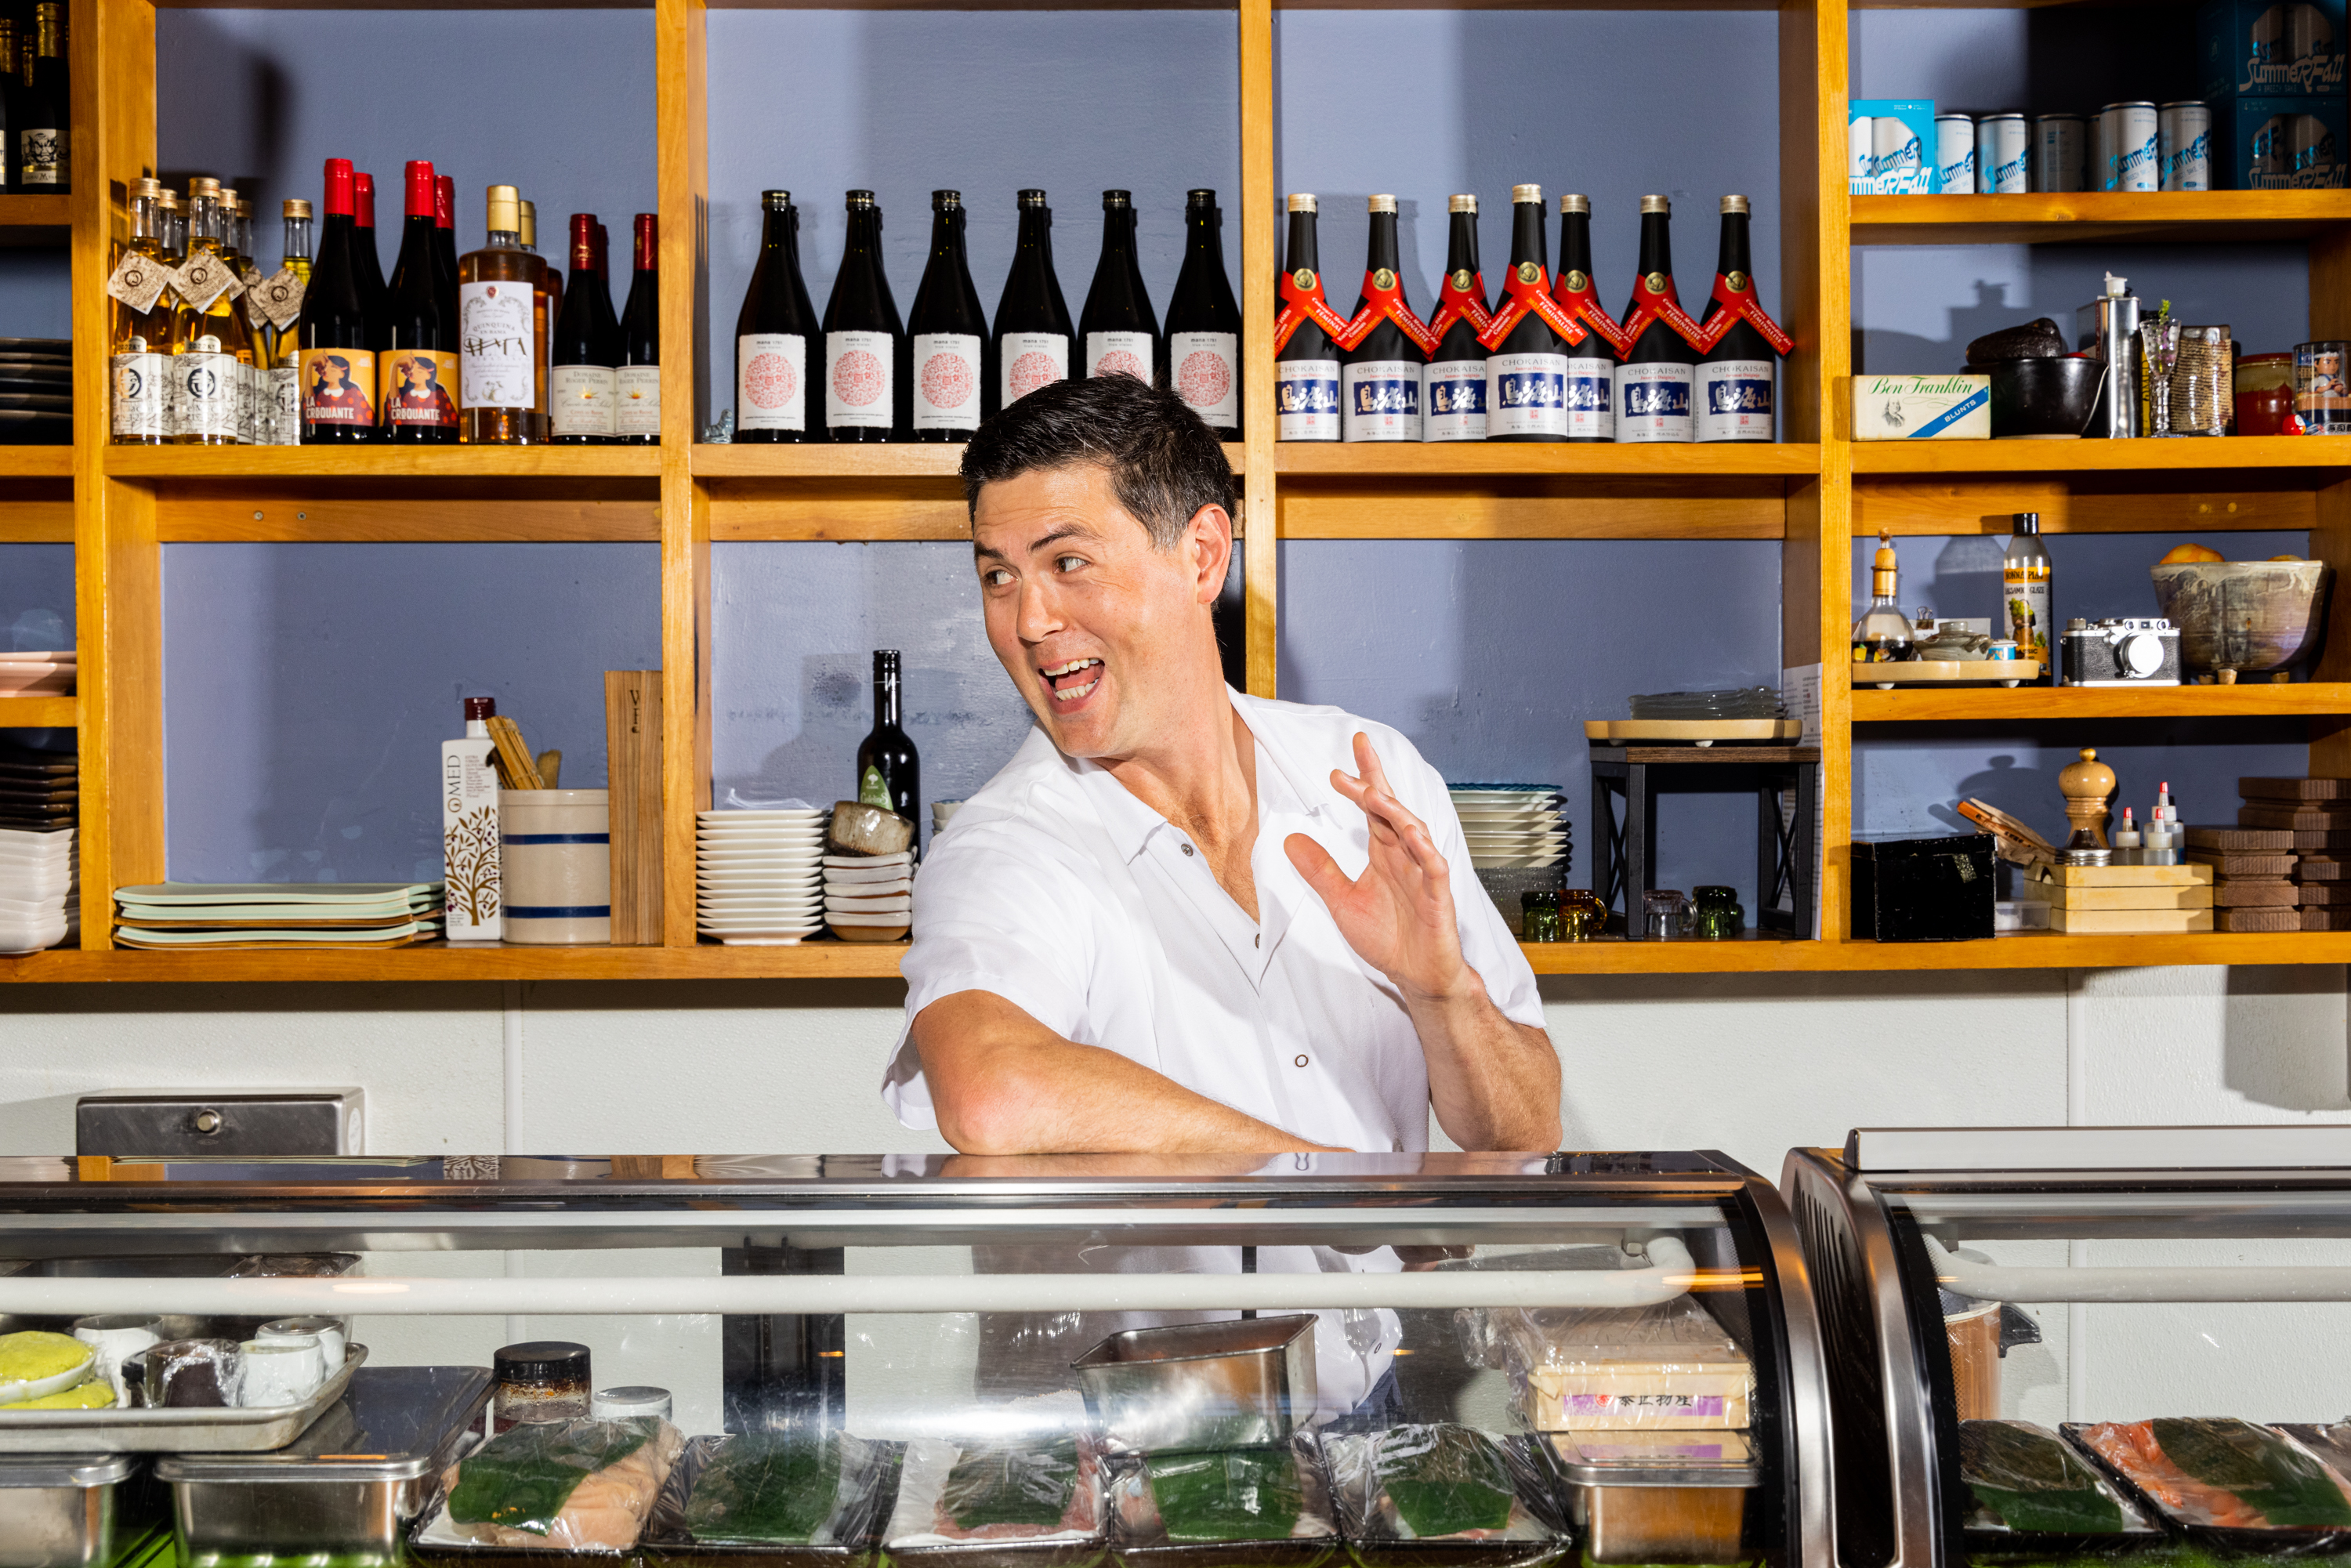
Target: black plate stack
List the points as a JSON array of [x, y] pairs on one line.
[[36, 392]]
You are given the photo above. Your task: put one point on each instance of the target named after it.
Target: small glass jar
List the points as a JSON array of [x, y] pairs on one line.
[[1538, 915], [623, 1404], [1718, 916], [1664, 909], [541, 1380], [1581, 916]]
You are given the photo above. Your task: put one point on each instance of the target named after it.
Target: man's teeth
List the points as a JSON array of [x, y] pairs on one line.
[[1071, 694], [1070, 668]]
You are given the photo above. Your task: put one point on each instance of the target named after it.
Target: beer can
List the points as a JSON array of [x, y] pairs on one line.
[[2057, 153], [2133, 147], [2185, 131], [2101, 176], [2322, 398], [2003, 155], [2311, 153], [1955, 155], [1858, 150], [1895, 159]]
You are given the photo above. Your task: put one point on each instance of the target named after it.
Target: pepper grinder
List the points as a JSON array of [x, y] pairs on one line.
[[2088, 786]]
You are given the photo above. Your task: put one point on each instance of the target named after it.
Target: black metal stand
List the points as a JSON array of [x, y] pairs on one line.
[[1624, 856]]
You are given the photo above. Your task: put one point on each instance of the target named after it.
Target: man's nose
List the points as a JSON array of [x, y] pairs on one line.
[[1039, 614]]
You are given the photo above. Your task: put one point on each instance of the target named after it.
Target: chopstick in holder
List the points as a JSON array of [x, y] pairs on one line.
[[515, 765]]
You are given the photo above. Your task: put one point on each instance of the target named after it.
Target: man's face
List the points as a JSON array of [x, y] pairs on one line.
[[1101, 632]]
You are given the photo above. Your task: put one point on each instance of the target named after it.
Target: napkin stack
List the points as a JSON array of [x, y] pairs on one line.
[[325, 914]]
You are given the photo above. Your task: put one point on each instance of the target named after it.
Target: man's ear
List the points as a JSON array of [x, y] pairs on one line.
[[1209, 537]]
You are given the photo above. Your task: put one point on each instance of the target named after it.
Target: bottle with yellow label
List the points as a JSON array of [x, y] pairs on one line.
[[2024, 593]]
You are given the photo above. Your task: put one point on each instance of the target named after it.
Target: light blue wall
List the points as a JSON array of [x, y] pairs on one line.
[[37, 596], [36, 294]]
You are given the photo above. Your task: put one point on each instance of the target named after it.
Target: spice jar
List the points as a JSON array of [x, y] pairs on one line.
[[2264, 393], [541, 1380], [1718, 916], [1539, 916], [1581, 916], [623, 1404], [1663, 911]]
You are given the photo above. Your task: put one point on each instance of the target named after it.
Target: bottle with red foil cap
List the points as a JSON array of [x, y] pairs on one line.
[[636, 376], [416, 399], [366, 260], [445, 241], [337, 377], [581, 356]]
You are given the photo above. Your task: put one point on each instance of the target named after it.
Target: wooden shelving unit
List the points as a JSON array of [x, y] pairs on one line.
[[1811, 494]]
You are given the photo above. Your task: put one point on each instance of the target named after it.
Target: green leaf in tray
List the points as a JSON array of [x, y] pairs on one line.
[[1240, 1494], [522, 1478], [1455, 1482], [1019, 1483], [766, 1488], [2032, 1482], [2284, 1485]]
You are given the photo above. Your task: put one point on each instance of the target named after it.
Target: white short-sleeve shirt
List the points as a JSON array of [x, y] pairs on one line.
[[1056, 889]]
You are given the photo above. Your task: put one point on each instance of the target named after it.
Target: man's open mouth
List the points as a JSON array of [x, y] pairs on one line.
[[1073, 680]]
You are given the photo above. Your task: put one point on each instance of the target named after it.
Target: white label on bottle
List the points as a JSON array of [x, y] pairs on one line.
[[947, 380], [1452, 401], [1306, 399], [1381, 401], [636, 409], [1119, 355], [1032, 359], [41, 157], [1206, 369], [1653, 402], [857, 371], [579, 399], [771, 382], [205, 383], [286, 405], [1526, 395], [1592, 399], [138, 280], [139, 396], [1734, 399], [498, 346]]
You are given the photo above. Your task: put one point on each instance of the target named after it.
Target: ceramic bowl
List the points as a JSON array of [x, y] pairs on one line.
[[2251, 616], [2044, 399]]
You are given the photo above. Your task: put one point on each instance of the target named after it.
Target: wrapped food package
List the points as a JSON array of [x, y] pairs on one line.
[[1669, 1367], [1249, 1508], [2230, 1482], [1028, 1499], [202, 1373], [793, 1497], [567, 1486], [1444, 1493], [2025, 1481]]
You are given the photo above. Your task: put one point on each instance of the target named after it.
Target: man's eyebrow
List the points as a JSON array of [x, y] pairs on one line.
[[1066, 530]]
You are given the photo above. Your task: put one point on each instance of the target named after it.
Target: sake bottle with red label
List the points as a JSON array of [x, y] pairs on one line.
[[1735, 378], [1654, 383], [1591, 394], [1453, 387], [1380, 376], [1306, 366], [1526, 374]]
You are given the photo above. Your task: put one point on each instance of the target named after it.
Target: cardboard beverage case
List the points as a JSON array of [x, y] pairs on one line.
[[2277, 144], [1907, 175], [2270, 48], [1922, 408]]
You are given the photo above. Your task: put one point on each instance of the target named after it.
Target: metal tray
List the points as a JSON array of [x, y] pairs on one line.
[[225, 1430], [1228, 1384], [66, 1512]]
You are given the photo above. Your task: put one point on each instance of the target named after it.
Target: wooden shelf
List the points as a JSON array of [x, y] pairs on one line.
[[37, 462], [2269, 453], [26, 222], [40, 713], [819, 460], [2100, 217], [251, 463], [1981, 705], [1444, 459]]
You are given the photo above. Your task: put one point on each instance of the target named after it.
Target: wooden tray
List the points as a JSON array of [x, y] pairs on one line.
[[1947, 673], [1694, 731], [2125, 875]]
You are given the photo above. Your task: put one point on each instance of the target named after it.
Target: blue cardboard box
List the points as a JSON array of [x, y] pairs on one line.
[[2277, 144], [1903, 165], [2270, 48]]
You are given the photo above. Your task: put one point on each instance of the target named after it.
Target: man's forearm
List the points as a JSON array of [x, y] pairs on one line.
[[1493, 1084]]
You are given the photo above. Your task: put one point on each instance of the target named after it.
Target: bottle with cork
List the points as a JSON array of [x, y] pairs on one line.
[[502, 333]]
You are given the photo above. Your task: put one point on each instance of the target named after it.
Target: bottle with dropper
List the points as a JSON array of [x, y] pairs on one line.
[[1883, 633]]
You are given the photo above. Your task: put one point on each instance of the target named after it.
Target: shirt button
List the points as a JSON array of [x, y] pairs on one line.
[[1301, 1061], [1257, 940], [1187, 848]]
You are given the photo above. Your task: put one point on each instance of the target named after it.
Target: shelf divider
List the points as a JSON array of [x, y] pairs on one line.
[[1260, 502]]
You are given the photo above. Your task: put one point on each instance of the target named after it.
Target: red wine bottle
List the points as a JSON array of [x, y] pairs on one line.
[[1204, 323], [1591, 364], [416, 397], [338, 375], [1121, 334], [1653, 384], [368, 262], [581, 354], [1031, 345], [1525, 373], [889, 768], [772, 332], [1379, 378], [1306, 367], [636, 374], [445, 241], [1734, 388], [949, 332], [1453, 387], [866, 355]]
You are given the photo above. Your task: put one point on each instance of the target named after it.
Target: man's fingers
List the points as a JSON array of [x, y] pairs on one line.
[[1367, 763], [1315, 864]]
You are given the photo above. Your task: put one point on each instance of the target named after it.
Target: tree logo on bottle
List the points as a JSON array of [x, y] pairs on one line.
[[470, 859], [1204, 380], [1303, 278], [768, 381], [1033, 370], [857, 378], [1530, 272], [1576, 282], [947, 380], [1384, 280]]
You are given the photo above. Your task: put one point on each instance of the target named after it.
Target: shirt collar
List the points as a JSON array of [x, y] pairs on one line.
[[1130, 823]]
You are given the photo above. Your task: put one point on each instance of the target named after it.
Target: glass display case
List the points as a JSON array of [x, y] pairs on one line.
[[2048, 1344], [1495, 1360]]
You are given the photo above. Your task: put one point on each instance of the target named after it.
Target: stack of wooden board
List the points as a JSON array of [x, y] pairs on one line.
[[2254, 868], [2123, 900], [2308, 825]]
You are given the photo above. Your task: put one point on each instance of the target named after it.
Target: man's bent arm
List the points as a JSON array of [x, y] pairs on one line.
[[1493, 1082], [1003, 1083]]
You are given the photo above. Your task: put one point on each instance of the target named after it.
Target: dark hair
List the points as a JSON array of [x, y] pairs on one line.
[[1163, 462]]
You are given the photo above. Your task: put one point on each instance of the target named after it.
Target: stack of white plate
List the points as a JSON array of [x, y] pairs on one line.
[[37, 674], [758, 876], [869, 898], [1511, 826], [38, 884]]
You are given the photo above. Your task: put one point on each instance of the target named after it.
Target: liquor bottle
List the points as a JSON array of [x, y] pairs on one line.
[[210, 342], [338, 375], [501, 334], [11, 104], [2026, 585], [772, 332], [582, 353], [445, 241], [1883, 633], [1120, 332], [866, 354], [528, 234], [1735, 377], [1379, 378], [1453, 387], [1525, 373], [1654, 383], [44, 154], [1591, 364], [889, 769], [252, 380], [367, 261], [470, 853], [140, 340], [1305, 364], [1033, 335], [1204, 323], [284, 344], [636, 371], [419, 358], [949, 332], [171, 227]]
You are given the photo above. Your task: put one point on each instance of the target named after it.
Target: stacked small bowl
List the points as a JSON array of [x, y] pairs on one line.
[[1518, 840], [758, 876], [37, 888]]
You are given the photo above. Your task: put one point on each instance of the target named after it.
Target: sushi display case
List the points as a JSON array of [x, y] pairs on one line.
[[2054, 1344], [1412, 1361]]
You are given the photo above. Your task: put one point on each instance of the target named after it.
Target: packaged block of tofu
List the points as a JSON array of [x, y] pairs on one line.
[[1669, 1367], [1009, 1501], [1922, 408], [1446, 1497], [553, 1487]]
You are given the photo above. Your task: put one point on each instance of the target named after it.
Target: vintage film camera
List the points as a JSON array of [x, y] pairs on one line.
[[2128, 651]]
